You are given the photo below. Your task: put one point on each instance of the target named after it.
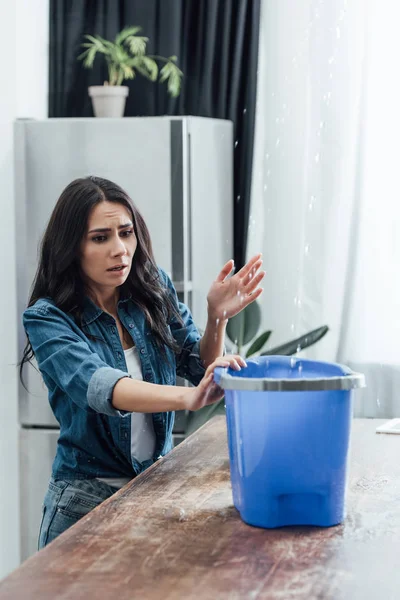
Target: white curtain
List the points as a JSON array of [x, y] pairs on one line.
[[324, 208]]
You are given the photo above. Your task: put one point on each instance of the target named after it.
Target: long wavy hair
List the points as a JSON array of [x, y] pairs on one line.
[[59, 276]]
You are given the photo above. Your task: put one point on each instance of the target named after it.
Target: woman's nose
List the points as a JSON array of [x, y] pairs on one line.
[[119, 247]]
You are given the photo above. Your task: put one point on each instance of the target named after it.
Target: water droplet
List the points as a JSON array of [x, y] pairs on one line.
[[238, 293], [338, 32], [300, 368], [331, 75], [224, 314], [295, 300], [244, 111], [236, 144], [250, 275], [331, 60], [268, 172], [298, 348], [292, 362], [277, 120], [217, 322], [292, 327], [321, 124], [277, 142], [317, 158], [378, 402], [265, 187], [307, 249], [267, 156], [238, 198]]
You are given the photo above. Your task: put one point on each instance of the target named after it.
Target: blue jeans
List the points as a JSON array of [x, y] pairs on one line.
[[68, 501]]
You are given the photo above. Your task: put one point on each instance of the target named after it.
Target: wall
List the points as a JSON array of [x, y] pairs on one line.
[[24, 90]]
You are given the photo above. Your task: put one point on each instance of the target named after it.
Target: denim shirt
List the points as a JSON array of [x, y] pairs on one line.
[[80, 374]]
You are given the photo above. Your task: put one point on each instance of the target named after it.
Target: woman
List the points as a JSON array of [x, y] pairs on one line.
[[109, 336]]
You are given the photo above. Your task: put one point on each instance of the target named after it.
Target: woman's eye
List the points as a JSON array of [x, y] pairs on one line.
[[99, 238], [127, 233]]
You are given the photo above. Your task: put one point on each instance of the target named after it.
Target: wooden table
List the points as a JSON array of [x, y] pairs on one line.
[[174, 533]]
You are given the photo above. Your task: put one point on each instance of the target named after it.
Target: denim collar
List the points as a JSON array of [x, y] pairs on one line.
[[91, 311]]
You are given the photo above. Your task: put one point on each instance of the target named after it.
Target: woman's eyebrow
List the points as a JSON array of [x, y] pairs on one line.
[[105, 229]]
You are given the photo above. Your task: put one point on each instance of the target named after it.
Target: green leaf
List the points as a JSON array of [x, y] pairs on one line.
[[243, 327], [298, 344], [171, 73], [146, 66], [165, 72], [125, 33], [95, 40], [137, 44], [258, 344], [88, 62]]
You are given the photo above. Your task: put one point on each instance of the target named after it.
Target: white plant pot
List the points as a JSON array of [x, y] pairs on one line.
[[108, 100]]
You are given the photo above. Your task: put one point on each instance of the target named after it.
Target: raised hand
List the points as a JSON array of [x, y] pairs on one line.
[[228, 296]]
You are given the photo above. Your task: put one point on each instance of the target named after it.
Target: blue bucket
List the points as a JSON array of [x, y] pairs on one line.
[[288, 426]]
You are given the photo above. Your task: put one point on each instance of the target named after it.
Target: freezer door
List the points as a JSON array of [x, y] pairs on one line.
[[37, 449], [210, 200]]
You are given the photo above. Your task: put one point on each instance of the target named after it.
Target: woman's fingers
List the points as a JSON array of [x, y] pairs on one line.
[[253, 264], [235, 361], [226, 269], [251, 284]]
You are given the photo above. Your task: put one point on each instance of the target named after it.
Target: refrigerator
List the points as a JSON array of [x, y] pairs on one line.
[[179, 172]]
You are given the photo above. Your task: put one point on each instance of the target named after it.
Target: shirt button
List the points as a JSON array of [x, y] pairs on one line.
[[131, 325], [142, 351]]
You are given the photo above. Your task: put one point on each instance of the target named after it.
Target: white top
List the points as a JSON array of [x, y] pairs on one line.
[[143, 437]]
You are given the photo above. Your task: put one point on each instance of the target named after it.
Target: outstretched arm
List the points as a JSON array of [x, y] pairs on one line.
[[226, 298]]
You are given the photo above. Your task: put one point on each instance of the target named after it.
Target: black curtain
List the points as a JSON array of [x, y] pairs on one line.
[[216, 42]]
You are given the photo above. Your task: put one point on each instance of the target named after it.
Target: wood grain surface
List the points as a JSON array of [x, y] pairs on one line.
[[174, 533]]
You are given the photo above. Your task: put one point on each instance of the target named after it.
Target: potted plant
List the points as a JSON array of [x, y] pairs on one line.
[[125, 57], [242, 330]]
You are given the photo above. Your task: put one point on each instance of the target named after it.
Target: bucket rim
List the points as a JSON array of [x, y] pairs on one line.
[[267, 384]]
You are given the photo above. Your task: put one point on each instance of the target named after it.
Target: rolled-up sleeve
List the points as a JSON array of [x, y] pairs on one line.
[[65, 360]]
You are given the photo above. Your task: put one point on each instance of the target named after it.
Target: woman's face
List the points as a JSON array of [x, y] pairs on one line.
[[108, 247]]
